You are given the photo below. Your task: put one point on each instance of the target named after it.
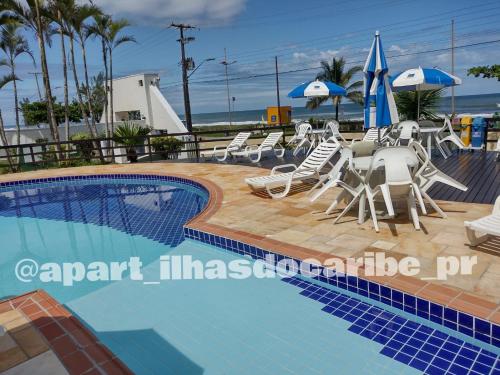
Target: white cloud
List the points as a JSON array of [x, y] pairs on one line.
[[206, 12]]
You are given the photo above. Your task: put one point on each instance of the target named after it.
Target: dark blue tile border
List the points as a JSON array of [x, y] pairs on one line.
[[114, 176], [469, 325]]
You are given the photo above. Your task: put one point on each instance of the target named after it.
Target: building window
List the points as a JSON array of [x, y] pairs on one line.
[[134, 115]]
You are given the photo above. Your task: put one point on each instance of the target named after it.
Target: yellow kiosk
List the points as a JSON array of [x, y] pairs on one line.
[[285, 115]]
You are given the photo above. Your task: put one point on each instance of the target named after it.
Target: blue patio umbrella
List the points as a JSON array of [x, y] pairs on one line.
[[317, 88], [421, 79], [380, 107]]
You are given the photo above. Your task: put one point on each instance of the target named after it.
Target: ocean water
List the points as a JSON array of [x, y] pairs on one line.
[[473, 104]]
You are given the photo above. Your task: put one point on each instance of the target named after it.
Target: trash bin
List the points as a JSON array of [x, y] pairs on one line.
[[466, 125], [478, 132]]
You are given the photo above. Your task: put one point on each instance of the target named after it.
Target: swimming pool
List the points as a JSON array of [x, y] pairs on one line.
[[248, 326]]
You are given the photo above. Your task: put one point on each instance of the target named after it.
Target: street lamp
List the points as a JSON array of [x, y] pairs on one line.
[[198, 67]]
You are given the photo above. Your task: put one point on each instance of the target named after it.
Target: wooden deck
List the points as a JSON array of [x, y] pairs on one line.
[[478, 170]]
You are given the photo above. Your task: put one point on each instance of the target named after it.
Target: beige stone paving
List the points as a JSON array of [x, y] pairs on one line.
[[20, 341], [294, 220]]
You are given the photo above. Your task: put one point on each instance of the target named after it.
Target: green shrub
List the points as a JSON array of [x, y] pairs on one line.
[[131, 135], [83, 144], [167, 147]]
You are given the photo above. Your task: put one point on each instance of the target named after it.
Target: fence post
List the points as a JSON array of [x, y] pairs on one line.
[[149, 149], [32, 154], [197, 148]]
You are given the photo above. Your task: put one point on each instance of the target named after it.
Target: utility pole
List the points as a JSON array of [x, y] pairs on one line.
[[37, 85], [185, 63], [226, 64], [453, 65], [278, 89]]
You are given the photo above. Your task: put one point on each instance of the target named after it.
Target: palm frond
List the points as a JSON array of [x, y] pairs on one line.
[[408, 107], [5, 80], [124, 39]]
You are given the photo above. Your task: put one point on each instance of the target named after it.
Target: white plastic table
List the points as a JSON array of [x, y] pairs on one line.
[[430, 132], [315, 138]]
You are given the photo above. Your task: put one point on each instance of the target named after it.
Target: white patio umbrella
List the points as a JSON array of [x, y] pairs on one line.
[[422, 79]]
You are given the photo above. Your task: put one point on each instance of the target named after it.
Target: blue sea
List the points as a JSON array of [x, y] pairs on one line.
[[470, 104]]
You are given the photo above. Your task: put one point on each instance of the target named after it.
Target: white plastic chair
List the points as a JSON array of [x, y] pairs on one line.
[[333, 177], [441, 138], [356, 189], [488, 225], [431, 175], [426, 174], [406, 132], [332, 129], [270, 144], [309, 169], [400, 181], [372, 135], [221, 153], [301, 137]]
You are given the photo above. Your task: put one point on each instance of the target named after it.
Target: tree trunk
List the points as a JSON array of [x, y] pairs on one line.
[[77, 87], [89, 99], [87, 87], [16, 106], [336, 103], [79, 96], [112, 114], [46, 82], [105, 61], [65, 74], [3, 137]]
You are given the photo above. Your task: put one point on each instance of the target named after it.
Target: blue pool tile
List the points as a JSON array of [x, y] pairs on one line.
[[403, 358], [418, 364]]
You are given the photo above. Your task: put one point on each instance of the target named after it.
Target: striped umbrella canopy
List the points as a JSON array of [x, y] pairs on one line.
[[380, 107], [317, 89], [420, 79]]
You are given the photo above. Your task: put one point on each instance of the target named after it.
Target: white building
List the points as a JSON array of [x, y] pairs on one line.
[[138, 97]]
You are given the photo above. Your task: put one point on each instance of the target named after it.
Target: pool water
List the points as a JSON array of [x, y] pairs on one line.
[[250, 326]]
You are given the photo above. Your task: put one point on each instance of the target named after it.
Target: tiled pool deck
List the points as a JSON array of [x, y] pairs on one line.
[[42, 337], [298, 229]]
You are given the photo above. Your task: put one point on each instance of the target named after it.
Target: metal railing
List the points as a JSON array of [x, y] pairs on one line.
[[190, 146]]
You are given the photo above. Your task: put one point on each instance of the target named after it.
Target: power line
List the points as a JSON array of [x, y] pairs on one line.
[[349, 62]]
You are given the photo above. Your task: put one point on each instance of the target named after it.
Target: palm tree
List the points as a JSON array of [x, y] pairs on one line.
[[13, 44], [408, 104], [33, 15], [58, 15], [336, 73], [4, 81], [100, 29], [77, 20], [114, 40]]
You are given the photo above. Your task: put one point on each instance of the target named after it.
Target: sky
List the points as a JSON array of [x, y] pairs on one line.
[[299, 33]]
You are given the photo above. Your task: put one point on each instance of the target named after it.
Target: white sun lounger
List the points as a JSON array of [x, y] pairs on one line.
[[488, 225], [221, 153], [271, 143], [309, 169]]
